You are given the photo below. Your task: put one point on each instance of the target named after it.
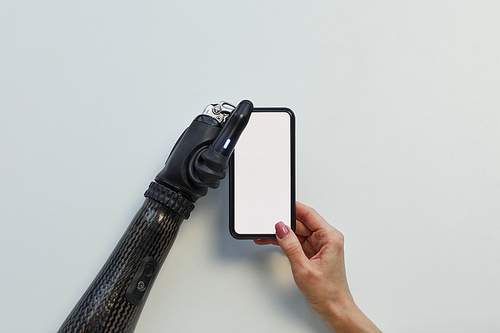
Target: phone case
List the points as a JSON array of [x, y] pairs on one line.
[[264, 191]]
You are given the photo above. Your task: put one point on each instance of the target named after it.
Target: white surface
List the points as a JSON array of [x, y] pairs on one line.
[[397, 107], [262, 174]]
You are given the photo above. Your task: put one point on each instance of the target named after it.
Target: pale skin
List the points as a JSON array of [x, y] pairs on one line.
[[316, 255]]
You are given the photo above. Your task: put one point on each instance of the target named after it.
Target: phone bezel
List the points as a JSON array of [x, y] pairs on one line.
[[292, 178]]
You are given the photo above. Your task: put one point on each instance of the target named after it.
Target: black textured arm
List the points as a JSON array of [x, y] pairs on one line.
[[114, 300]]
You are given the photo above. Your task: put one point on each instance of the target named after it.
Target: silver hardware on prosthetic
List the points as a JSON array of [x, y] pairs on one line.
[[220, 111]]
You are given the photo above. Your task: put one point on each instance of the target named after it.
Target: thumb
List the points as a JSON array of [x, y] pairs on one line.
[[290, 245]]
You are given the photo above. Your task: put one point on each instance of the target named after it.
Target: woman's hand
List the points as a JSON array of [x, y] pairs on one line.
[[316, 255]]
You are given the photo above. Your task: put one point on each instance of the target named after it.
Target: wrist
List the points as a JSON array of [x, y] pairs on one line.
[[344, 316], [340, 312]]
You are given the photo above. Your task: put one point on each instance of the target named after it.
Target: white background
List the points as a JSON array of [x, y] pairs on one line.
[[397, 106]]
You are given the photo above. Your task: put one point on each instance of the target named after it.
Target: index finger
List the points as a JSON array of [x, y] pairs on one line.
[[311, 220]]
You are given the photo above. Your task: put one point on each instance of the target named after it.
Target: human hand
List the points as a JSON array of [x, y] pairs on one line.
[[316, 255]]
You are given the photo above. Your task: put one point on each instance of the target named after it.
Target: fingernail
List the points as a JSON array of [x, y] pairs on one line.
[[281, 230]]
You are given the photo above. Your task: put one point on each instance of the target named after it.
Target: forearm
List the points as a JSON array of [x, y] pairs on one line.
[[113, 302], [344, 316]]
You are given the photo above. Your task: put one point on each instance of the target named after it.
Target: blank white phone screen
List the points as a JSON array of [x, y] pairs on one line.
[[262, 174]]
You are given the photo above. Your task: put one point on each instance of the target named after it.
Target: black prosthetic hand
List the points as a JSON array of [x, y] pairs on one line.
[[201, 155], [114, 300]]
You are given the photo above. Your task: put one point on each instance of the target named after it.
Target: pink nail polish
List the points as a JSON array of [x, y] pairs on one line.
[[281, 230]]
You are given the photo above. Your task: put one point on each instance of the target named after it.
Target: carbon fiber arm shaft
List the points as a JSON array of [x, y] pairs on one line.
[[114, 300]]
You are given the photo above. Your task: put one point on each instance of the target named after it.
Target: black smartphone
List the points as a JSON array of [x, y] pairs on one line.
[[262, 175]]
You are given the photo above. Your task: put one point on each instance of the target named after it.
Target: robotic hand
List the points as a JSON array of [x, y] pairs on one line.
[[114, 300], [201, 155]]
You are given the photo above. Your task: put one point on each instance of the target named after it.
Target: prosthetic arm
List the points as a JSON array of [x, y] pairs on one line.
[[114, 300]]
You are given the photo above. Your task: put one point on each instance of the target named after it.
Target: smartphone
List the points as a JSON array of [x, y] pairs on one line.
[[262, 175]]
